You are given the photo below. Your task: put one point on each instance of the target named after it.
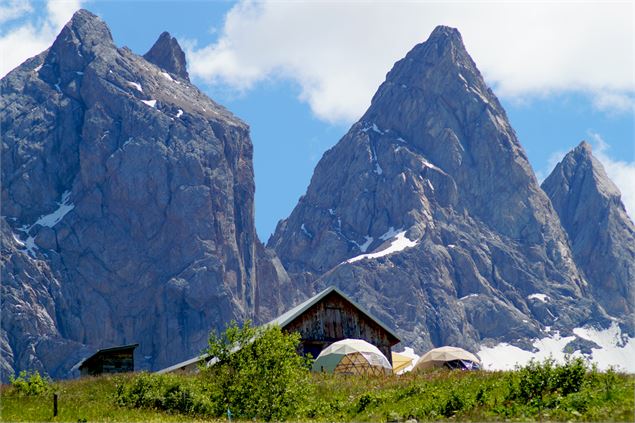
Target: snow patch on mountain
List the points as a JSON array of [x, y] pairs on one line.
[[540, 297], [399, 243], [616, 349], [48, 221], [135, 85], [364, 247]]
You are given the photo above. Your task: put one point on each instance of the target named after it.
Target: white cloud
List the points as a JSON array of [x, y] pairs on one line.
[[14, 9], [621, 172], [553, 159], [35, 34], [610, 101], [340, 52]]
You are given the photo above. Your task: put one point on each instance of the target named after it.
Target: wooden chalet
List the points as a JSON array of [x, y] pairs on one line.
[[109, 360], [332, 316], [325, 318]]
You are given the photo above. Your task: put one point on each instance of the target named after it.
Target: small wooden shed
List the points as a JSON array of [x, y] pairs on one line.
[[109, 360], [331, 316]]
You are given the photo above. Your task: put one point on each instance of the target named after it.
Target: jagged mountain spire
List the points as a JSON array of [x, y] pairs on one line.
[[166, 53], [602, 235], [429, 203], [127, 208]]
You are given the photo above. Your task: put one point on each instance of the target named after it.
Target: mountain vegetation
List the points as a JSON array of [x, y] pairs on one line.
[[538, 392]]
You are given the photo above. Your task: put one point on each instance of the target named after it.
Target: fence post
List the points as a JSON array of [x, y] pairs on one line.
[[55, 404]]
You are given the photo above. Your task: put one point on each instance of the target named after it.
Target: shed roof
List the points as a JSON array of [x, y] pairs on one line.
[[107, 350], [185, 363]]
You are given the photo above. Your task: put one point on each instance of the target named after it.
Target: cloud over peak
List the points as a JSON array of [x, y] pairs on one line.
[[340, 53]]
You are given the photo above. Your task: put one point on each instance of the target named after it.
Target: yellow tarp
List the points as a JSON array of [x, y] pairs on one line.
[[400, 362]]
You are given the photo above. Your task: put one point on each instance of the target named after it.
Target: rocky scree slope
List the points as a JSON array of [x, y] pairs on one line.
[[127, 207], [428, 212]]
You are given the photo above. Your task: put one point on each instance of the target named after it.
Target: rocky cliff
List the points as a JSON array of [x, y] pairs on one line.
[[127, 207], [428, 212], [602, 235]]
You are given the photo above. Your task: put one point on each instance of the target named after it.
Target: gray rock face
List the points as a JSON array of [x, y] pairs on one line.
[[166, 53], [434, 166], [127, 204], [601, 234]]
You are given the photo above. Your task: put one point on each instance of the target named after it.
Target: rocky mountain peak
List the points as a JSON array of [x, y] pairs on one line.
[[82, 39], [428, 206], [127, 208], [87, 29], [167, 54], [584, 147], [580, 167], [601, 234], [447, 39]]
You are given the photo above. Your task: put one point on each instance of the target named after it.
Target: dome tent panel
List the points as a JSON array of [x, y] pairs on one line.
[[450, 357], [352, 356]]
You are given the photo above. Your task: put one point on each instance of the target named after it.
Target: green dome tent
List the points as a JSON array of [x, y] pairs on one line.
[[352, 356]]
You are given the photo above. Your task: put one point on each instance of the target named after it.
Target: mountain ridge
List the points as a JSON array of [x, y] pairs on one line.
[[128, 212], [157, 185], [436, 159]]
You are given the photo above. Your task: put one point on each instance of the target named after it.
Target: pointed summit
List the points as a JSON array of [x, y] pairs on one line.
[[167, 54], [84, 38], [580, 168], [445, 36], [601, 234], [429, 200], [86, 29]]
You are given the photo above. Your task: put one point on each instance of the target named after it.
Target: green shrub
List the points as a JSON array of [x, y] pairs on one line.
[[259, 373], [29, 383], [569, 377], [367, 400], [535, 380], [609, 383], [543, 384], [164, 392], [452, 405]]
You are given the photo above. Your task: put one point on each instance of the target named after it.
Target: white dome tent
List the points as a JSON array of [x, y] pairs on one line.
[[353, 357], [450, 357]]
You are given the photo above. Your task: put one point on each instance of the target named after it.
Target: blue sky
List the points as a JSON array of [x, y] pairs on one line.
[[301, 73]]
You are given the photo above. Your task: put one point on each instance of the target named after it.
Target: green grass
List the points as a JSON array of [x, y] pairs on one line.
[[438, 395], [462, 396], [86, 399]]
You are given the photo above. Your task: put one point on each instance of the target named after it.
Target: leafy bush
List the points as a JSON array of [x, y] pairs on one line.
[[164, 392], [259, 373], [541, 384], [29, 383], [453, 404], [569, 377], [367, 400]]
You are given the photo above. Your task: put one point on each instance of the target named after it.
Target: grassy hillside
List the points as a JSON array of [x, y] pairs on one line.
[[534, 393]]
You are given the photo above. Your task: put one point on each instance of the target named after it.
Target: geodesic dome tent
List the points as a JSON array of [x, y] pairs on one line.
[[450, 357], [353, 357]]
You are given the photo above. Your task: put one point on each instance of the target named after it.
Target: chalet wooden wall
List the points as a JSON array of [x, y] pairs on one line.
[[333, 319], [109, 362]]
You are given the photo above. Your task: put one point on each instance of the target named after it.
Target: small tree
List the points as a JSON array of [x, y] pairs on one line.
[[259, 373]]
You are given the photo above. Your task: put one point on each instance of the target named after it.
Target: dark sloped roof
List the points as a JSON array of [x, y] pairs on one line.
[[107, 350], [289, 316]]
